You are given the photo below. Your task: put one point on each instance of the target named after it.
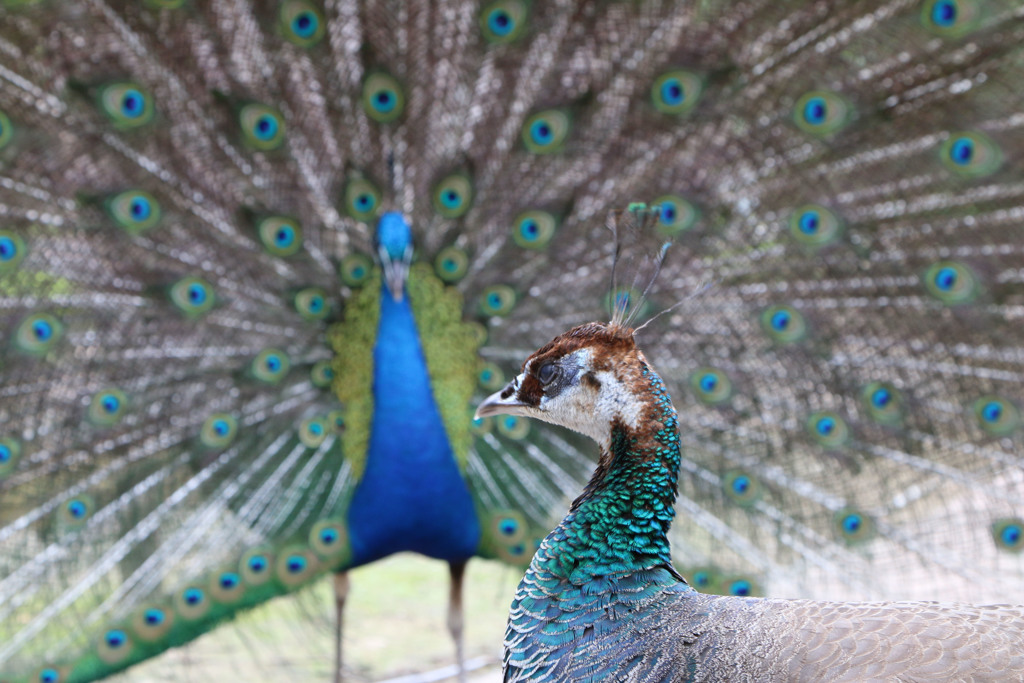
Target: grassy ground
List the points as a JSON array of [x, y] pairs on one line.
[[394, 626]]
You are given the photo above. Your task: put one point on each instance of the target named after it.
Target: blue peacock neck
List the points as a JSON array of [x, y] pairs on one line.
[[619, 524]]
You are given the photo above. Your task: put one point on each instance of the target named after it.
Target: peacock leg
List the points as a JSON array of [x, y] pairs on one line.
[[340, 593], [458, 571]]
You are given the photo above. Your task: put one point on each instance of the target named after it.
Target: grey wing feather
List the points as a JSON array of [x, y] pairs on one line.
[[719, 639]]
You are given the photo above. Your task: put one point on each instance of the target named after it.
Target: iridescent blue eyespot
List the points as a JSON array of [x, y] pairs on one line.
[[815, 110], [741, 487], [971, 154], [226, 587], [133, 104], [311, 303], [218, 430], [116, 638], [676, 92], [541, 133], [192, 296], [301, 23], [76, 512], [821, 112], [262, 126], [265, 128], [503, 21], [313, 431], [883, 402], [254, 567], [962, 151], [489, 376], [740, 588], [814, 225], [996, 415], [192, 596], [453, 195], [828, 429], [305, 25], [134, 210], [951, 282], [296, 564], [10, 451], [676, 215], [126, 104], [329, 540], [513, 427], [49, 675], [355, 269], [783, 324], [150, 624], [533, 229], [107, 407], [38, 333], [711, 386], [451, 264], [383, 100], [825, 426], [280, 235], [951, 18], [545, 131], [854, 526], [1009, 534], [704, 580], [944, 13], [12, 251], [115, 646], [191, 603], [336, 418], [271, 365], [362, 199], [365, 202], [322, 374], [500, 23], [154, 617], [508, 526], [498, 300]]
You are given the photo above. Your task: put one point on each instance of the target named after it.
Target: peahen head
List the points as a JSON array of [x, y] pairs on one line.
[[589, 379]]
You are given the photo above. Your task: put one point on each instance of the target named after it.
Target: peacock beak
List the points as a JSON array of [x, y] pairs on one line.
[[504, 402]]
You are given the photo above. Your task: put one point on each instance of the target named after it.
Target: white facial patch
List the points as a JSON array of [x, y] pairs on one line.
[[588, 410]]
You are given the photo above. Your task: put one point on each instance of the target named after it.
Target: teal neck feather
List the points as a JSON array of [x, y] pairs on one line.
[[619, 524]]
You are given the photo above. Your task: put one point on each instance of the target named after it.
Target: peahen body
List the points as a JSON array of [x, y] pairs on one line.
[[602, 601], [257, 258]]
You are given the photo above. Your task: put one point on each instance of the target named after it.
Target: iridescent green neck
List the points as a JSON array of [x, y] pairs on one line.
[[620, 523]]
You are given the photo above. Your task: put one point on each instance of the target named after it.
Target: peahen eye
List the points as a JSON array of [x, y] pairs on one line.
[[547, 373]]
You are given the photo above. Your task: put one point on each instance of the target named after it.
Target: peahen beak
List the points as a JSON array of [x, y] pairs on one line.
[[503, 402]]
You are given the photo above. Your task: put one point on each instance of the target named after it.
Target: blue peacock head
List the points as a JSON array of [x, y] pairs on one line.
[[394, 248]]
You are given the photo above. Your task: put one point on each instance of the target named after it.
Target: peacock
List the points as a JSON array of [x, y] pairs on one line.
[[259, 259], [602, 600]]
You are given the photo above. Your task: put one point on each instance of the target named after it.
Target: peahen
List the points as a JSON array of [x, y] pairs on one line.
[[257, 259], [602, 601]]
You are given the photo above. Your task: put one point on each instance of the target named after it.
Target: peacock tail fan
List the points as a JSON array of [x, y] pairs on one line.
[[209, 212]]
